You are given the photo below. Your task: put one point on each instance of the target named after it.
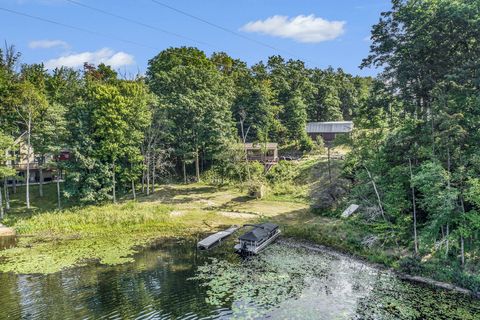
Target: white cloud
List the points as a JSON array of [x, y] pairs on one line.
[[105, 55], [309, 29], [46, 44]]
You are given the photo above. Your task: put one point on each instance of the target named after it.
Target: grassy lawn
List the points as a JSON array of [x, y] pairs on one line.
[[52, 240]]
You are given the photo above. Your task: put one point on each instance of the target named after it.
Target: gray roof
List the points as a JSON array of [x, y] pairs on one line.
[[260, 232], [330, 127]]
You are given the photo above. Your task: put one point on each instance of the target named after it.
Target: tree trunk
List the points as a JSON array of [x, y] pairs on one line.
[[197, 165], [114, 191], [143, 181], [184, 172], [448, 186], [14, 181], [27, 188], [447, 243], [329, 166], [133, 190], [59, 203], [40, 185], [147, 175], [379, 200], [153, 173], [244, 138], [14, 185], [1, 205], [7, 195], [376, 192], [415, 239], [462, 239]]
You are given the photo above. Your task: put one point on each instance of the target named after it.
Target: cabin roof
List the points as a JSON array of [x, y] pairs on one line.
[[330, 127], [258, 146], [258, 233]]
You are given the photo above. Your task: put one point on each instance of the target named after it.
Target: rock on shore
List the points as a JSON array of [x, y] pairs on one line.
[[5, 231]]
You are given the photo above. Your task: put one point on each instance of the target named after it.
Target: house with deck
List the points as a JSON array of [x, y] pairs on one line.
[[38, 164]]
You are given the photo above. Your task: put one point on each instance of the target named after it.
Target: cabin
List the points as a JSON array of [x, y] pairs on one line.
[[328, 130], [20, 159], [266, 153]]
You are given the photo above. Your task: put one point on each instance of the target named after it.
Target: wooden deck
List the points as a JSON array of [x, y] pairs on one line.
[[264, 159]]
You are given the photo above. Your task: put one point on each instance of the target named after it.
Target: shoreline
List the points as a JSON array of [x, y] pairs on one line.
[[302, 243], [296, 243]]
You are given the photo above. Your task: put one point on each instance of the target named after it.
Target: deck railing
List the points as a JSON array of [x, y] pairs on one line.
[[262, 158]]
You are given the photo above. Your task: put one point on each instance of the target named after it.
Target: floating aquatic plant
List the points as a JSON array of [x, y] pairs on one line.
[[257, 285], [291, 282]]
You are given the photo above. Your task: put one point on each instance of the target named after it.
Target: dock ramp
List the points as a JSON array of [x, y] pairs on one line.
[[216, 238]]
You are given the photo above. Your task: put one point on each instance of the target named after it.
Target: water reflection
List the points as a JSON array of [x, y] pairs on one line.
[[154, 286], [285, 282], [289, 281]]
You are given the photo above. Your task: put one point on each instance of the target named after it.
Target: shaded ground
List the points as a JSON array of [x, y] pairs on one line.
[[226, 201]]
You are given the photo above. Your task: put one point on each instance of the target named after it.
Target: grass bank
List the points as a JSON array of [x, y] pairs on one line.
[[51, 240]]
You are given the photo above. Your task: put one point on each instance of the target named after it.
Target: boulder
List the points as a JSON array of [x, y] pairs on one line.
[[350, 210]]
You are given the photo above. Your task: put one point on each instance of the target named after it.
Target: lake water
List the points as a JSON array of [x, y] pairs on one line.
[[172, 280]]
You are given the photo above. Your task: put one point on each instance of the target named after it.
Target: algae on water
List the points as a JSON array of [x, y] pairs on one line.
[[291, 282]]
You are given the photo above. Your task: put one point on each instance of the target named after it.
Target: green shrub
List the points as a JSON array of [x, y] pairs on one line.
[[256, 189], [282, 172], [411, 265], [306, 144]]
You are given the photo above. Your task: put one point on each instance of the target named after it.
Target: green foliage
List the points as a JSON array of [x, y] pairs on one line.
[[296, 118], [197, 98], [6, 143], [105, 133], [282, 172], [439, 199], [415, 147]]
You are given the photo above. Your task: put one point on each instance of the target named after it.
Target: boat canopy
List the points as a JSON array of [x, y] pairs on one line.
[[260, 232]]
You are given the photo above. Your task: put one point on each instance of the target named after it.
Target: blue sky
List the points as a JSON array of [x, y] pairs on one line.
[[321, 32]]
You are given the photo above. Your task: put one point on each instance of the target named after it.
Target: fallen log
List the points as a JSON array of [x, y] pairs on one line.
[[437, 284]]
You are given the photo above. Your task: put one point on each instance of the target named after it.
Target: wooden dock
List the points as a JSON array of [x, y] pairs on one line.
[[216, 238]]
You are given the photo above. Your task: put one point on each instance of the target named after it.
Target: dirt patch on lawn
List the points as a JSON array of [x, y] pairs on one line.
[[242, 215]]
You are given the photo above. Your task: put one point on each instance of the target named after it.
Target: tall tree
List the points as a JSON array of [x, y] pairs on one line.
[[106, 130], [6, 144], [197, 97], [28, 103]]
